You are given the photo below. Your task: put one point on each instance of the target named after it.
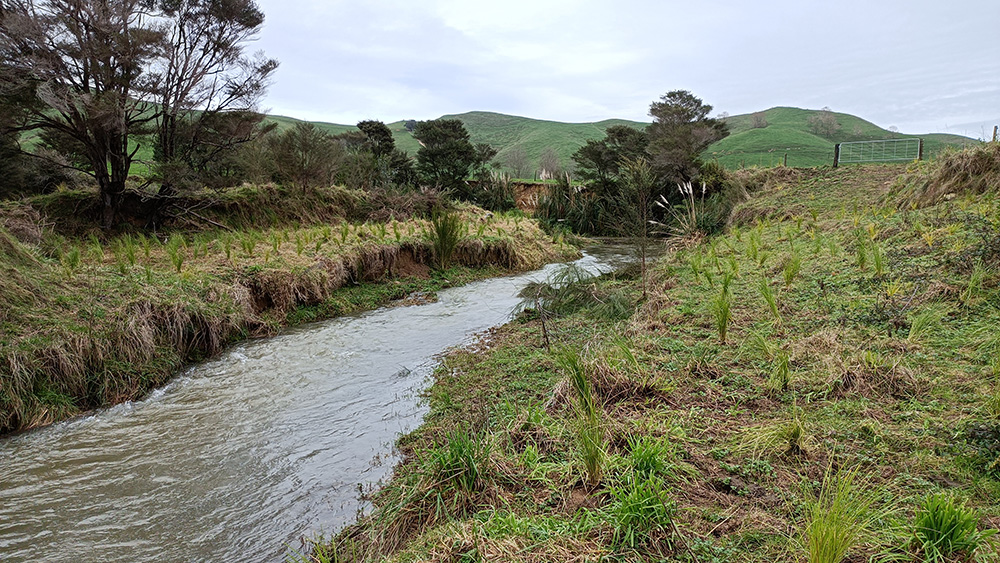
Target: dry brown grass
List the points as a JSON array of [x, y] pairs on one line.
[[972, 170]]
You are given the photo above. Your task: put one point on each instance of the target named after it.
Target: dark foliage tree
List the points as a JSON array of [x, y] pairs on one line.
[[102, 74], [392, 166], [447, 157], [304, 156], [680, 131], [599, 162]]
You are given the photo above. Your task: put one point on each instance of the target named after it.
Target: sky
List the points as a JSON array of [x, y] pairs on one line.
[[922, 66]]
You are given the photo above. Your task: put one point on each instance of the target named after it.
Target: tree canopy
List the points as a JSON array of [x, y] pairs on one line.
[[102, 76], [680, 131], [447, 157]]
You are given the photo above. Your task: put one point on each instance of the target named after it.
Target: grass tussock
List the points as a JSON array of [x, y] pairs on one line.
[[969, 171]]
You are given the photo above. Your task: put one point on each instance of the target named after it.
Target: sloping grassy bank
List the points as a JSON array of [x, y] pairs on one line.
[[819, 383], [86, 322]]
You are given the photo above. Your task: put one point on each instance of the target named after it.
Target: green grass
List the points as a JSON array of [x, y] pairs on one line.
[[723, 452], [788, 132]]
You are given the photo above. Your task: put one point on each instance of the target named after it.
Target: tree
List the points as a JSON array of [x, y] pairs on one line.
[[516, 160], [550, 165], [680, 131], [758, 120], [372, 159], [304, 156], [447, 157], [824, 123], [102, 73], [598, 162], [635, 202]]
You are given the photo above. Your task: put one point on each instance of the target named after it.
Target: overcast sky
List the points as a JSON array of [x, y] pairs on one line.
[[922, 66]]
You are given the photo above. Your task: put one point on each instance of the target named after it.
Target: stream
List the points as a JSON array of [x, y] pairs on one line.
[[240, 457]]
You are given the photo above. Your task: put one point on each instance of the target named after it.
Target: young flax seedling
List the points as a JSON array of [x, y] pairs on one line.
[[722, 308], [878, 259], [780, 373], [175, 251], [767, 292], [793, 264]]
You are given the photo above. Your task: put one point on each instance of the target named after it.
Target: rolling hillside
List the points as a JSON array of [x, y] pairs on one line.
[[788, 131], [503, 132]]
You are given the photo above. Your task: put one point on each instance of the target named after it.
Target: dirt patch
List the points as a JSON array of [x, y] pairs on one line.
[[408, 265]]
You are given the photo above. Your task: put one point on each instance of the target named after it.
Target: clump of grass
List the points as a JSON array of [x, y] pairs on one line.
[[722, 311], [641, 513], [248, 242], [649, 458], [461, 462], [589, 420], [767, 292], [226, 241], [922, 323], [861, 252], [973, 292], [791, 267], [839, 518], [780, 373], [175, 252], [944, 529], [70, 261], [446, 234], [790, 437]]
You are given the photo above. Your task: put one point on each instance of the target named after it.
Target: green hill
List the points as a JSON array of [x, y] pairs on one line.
[[789, 131], [503, 132]]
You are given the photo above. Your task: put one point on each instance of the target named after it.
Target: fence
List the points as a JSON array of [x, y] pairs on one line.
[[884, 150]]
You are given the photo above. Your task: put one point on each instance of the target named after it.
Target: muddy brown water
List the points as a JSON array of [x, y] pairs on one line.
[[241, 457]]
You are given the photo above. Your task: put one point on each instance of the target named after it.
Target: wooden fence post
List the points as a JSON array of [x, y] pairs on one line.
[[920, 150], [836, 155]]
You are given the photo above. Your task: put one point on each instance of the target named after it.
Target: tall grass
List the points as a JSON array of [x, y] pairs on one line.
[[767, 292], [839, 518], [722, 311], [446, 234], [589, 419]]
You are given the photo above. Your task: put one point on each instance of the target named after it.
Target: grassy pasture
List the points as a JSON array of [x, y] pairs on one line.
[[850, 410]]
